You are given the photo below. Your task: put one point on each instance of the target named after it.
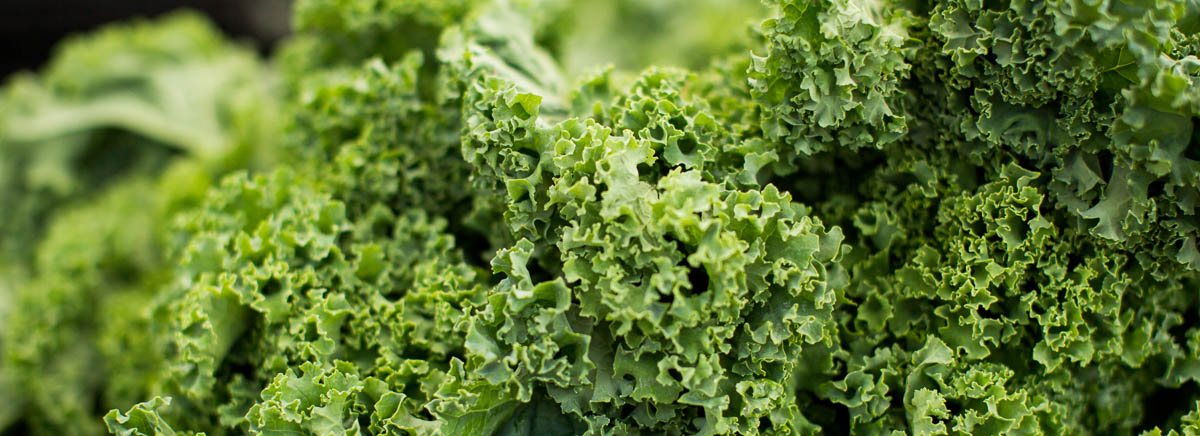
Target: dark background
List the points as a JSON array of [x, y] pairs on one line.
[[30, 29]]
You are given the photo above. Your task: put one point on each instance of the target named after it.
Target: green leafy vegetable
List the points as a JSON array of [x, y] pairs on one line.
[[854, 217]]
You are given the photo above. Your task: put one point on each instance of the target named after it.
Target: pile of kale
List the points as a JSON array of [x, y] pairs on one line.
[[620, 217]]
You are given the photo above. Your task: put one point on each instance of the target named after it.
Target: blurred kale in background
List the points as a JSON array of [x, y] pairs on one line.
[[122, 128]]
